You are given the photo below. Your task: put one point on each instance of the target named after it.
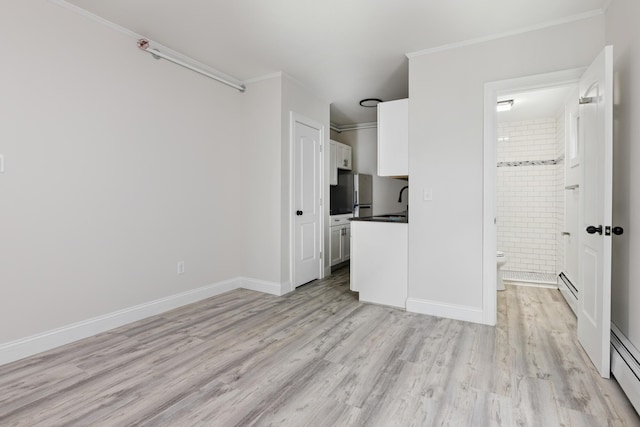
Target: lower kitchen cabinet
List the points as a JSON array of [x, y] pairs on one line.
[[340, 241]]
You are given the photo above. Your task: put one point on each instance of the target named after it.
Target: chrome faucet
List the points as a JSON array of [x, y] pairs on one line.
[[401, 191]]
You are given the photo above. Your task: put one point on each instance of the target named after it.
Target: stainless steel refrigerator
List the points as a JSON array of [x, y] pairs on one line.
[[362, 195]]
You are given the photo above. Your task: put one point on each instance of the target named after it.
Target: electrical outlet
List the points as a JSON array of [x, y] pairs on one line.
[[180, 267]]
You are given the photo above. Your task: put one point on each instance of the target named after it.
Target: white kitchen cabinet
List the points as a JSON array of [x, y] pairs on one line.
[[340, 239], [343, 157], [336, 245], [346, 243], [340, 157], [393, 138], [379, 262], [333, 167]]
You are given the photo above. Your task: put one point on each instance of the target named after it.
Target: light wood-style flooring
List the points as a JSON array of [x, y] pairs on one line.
[[318, 357]]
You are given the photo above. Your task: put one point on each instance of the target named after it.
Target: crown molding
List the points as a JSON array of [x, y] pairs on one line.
[[531, 28], [354, 126]]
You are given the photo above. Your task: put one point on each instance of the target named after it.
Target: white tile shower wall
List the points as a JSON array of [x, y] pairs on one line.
[[526, 195]]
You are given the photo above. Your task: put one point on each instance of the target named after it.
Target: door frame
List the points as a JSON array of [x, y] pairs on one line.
[[489, 237], [293, 119]]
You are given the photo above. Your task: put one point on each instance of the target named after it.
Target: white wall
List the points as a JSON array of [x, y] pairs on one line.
[[364, 144], [446, 146], [622, 31], [265, 154], [300, 100], [119, 165], [114, 164], [259, 166]]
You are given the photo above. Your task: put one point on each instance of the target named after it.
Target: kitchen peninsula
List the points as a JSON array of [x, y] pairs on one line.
[[379, 259]]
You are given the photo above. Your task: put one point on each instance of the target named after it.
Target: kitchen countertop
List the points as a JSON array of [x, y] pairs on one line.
[[400, 218]]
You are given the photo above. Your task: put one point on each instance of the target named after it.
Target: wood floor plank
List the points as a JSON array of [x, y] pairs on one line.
[[318, 357]]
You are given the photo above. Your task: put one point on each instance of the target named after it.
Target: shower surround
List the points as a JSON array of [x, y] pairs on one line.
[[530, 203]]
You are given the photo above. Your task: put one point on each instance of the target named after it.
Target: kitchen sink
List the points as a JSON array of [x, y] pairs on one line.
[[398, 216], [385, 218], [392, 217]]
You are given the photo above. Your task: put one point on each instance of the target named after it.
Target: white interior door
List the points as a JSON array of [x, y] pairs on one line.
[[596, 135], [307, 162]]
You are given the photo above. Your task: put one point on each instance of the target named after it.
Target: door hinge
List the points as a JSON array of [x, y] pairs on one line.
[[320, 255], [321, 201], [586, 100]]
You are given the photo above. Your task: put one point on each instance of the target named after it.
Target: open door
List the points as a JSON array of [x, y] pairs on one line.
[[596, 137]]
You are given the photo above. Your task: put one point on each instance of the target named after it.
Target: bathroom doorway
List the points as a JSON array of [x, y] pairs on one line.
[[594, 134], [531, 221], [494, 91]]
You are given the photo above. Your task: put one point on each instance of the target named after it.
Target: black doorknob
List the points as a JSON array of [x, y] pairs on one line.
[[617, 230], [592, 230], [298, 213]]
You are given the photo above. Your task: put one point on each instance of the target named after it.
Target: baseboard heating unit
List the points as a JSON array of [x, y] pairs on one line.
[[569, 291], [625, 366]]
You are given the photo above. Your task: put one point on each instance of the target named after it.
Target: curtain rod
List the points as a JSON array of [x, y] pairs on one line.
[[144, 45]]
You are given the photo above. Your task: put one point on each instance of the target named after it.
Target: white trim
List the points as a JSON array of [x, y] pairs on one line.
[[285, 288], [625, 366], [24, 347], [327, 271], [491, 92], [451, 311], [263, 286], [528, 29], [277, 74], [96, 18], [354, 126], [135, 36], [38, 343], [489, 213]]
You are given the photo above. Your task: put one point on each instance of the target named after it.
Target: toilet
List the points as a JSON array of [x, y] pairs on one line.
[[501, 260]]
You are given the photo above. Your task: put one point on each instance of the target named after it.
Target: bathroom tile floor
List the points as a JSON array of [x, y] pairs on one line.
[[529, 277]]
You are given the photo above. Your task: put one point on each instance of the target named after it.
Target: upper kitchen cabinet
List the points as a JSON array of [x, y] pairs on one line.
[[340, 158], [343, 156], [393, 138]]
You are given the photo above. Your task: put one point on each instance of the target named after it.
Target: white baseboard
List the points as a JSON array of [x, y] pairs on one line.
[[625, 366], [263, 286], [451, 311], [24, 347]]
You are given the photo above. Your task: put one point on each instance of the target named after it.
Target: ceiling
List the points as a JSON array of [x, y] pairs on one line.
[[344, 51], [536, 104]]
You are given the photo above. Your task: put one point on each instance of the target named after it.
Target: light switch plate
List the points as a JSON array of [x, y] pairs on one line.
[[428, 194]]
